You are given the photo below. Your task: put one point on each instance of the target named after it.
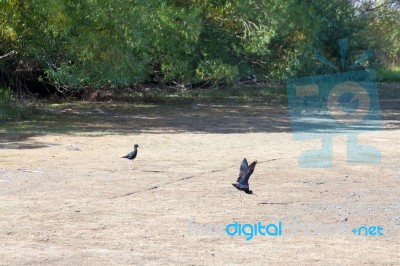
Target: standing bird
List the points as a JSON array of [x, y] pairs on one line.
[[246, 171], [132, 155]]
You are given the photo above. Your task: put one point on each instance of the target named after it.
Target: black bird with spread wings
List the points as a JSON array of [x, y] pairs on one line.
[[246, 171]]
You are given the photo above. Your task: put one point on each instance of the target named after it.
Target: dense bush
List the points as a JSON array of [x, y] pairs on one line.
[[8, 105], [124, 42]]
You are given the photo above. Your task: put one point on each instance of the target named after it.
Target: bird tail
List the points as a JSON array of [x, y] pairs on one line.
[[126, 156]]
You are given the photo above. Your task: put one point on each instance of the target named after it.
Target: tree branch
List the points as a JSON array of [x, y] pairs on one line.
[[8, 54]]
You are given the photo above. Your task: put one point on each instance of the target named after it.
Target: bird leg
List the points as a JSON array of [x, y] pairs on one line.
[[241, 197]]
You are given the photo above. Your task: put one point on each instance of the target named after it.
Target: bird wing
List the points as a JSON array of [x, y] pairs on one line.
[[243, 169], [245, 180], [129, 155], [251, 168]]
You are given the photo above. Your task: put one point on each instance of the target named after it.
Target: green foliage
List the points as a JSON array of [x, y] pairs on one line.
[[229, 94], [391, 74], [384, 32], [6, 95], [124, 42], [10, 109], [216, 70]]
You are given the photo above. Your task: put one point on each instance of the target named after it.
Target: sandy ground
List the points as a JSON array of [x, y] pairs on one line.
[[67, 198]]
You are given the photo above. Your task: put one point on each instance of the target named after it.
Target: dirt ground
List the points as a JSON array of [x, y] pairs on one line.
[[67, 198]]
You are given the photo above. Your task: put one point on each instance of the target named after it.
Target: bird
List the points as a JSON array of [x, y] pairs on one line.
[[246, 171], [132, 154]]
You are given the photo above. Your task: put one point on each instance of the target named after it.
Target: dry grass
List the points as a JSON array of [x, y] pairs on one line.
[[68, 198]]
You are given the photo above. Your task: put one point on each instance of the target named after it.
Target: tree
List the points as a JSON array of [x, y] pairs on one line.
[[113, 43]]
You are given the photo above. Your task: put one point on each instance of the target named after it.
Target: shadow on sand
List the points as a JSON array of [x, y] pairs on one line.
[[95, 119]]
